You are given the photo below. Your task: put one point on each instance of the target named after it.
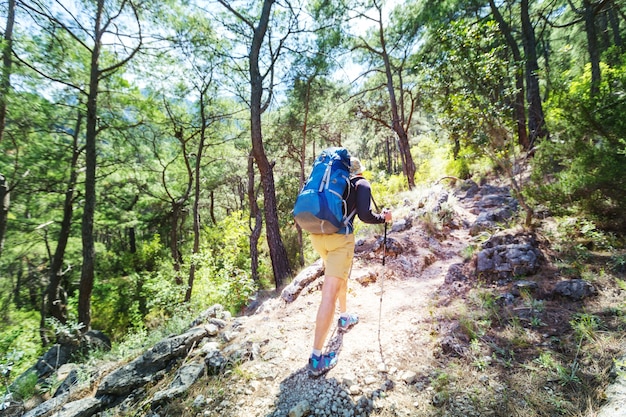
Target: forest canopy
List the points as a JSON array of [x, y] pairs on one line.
[[152, 151]]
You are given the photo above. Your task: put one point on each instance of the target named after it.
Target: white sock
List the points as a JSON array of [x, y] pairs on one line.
[[316, 352], [344, 315]]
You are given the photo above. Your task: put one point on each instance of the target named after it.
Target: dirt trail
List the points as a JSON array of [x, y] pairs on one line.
[[380, 359]]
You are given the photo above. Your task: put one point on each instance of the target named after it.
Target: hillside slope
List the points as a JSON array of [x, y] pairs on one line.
[[434, 338]]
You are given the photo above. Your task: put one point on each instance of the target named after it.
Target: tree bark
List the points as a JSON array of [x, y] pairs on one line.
[[5, 87], [257, 217], [5, 81], [536, 119], [196, 195], [5, 203], [589, 16], [278, 254], [397, 124], [614, 23], [519, 105], [89, 250], [56, 298]]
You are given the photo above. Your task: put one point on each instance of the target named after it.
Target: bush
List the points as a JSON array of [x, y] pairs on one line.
[[580, 170]]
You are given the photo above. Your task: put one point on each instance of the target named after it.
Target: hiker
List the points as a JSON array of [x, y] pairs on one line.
[[337, 251]]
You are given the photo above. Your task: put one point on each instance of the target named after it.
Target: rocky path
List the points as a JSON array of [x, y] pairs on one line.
[[380, 360]]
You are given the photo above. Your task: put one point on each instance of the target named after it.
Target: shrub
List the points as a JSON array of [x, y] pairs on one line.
[[580, 169]]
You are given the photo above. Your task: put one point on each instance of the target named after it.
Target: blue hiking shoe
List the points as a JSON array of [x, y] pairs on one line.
[[346, 323], [319, 365]]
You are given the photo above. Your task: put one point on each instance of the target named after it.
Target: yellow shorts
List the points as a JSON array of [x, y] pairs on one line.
[[337, 251]]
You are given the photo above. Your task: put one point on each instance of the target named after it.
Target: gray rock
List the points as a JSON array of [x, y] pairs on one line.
[[506, 256], [524, 286], [455, 273], [401, 225], [215, 311], [46, 408], [185, 377], [576, 289], [216, 363], [67, 384], [616, 393], [85, 407], [303, 279], [144, 369], [303, 408]]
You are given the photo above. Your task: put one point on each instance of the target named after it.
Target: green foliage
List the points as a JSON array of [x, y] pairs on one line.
[[69, 332], [472, 85], [585, 326], [223, 265], [7, 362], [432, 159], [580, 168], [386, 189], [25, 386], [576, 237], [618, 262], [134, 289], [19, 342]]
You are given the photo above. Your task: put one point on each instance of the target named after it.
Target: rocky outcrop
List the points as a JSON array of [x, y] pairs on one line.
[[202, 343], [147, 367], [576, 289], [505, 256], [302, 280]]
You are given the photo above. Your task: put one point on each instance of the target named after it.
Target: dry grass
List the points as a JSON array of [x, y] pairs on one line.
[[538, 357]]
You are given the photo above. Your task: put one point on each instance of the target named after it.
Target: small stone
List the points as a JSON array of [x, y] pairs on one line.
[[355, 390], [409, 377], [349, 380], [254, 385], [211, 329], [369, 380], [199, 402]]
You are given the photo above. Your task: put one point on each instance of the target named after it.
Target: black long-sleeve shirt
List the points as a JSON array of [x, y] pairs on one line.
[[360, 199]]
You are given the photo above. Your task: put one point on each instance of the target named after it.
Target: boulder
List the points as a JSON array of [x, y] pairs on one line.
[[576, 289], [304, 278], [145, 368], [185, 377]]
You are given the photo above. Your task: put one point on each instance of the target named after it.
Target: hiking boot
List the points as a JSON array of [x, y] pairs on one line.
[[346, 323], [319, 365]]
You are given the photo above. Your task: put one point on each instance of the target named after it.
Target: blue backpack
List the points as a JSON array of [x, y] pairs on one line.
[[321, 207]]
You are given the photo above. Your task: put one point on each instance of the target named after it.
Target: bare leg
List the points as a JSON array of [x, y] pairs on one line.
[[326, 311], [342, 296]]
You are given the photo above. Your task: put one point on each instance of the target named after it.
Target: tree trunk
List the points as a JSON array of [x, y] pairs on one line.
[[519, 106], [257, 217], [132, 240], [196, 197], [5, 81], [89, 251], [56, 298], [177, 258], [5, 87], [5, 203], [278, 254], [614, 23], [408, 165], [589, 15], [536, 120]]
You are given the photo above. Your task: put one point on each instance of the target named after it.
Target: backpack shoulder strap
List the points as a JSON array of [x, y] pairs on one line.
[[353, 182]]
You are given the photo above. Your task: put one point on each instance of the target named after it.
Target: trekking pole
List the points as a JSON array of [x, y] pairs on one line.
[[380, 307]]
